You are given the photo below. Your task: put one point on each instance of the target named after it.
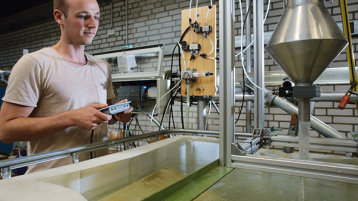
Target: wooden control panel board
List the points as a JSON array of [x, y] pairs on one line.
[[201, 86]]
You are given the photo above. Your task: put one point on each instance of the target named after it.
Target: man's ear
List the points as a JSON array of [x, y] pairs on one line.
[[59, 16]]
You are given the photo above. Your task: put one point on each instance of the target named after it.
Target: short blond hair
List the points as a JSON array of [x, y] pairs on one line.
[[60, 5]]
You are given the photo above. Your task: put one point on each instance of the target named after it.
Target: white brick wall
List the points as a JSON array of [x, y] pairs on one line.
[[152, 22]]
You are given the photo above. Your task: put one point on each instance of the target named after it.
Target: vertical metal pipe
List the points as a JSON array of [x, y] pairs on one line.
[[201, 113], [259, 63], [187, 104], [248, 66], [227, 80], [304, 127]]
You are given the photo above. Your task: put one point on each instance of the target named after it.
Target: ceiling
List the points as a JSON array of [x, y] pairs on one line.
[[17, 14]]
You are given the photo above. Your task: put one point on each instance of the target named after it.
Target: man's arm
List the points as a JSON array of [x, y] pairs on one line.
[[16, 125]]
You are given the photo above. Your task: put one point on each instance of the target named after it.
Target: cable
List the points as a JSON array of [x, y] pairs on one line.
[[172, 113], [151, 119], [247, 12], [182, 53], [242, 51], [166, 108], [242, 59], [207, 14], [171, 108], [252, 42], [264, 20], [212, 47], [241, 48], [246, 15], [171, 70], [190, 12], [179, 56], [181, 97], [243, 99], [196, 15], [267, 11], [91, 140]]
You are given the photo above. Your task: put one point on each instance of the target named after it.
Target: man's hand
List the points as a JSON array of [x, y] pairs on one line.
[[89, 117], [124, 116]]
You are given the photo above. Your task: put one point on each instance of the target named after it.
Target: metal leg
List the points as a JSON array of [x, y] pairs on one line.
[[227, 80], [6, 173], [304, 127], [259, 62], [201, 113], [248, 67], [75, 157]]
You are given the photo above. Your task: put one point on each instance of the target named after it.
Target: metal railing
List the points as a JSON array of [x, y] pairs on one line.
[[7, 165]]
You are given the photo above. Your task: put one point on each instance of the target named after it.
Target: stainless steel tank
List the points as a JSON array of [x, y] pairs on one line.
[[306, 40]]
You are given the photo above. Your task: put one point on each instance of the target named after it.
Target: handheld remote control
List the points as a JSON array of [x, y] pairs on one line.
[[116, 108]]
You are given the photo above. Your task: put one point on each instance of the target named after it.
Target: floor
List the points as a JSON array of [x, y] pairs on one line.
[[250, 185]]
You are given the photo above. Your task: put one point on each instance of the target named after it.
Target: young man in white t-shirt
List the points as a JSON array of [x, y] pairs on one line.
[[54, 94]]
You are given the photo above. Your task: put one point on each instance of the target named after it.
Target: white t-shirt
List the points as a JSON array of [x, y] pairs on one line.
[[52, 85]]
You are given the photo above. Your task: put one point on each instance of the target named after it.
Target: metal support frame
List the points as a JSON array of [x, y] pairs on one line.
[[249, 146], [227, 80], [313, 169], [248, 66], [7, 165], [319, 170], [259, 65], [325, 145]]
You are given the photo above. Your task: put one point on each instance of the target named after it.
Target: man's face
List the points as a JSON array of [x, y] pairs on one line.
[[81, 21]]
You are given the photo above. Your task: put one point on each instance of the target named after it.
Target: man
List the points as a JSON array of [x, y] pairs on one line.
[[54, 94]]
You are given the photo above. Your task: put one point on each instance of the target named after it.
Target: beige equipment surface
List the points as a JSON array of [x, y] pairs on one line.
[[98, 178]]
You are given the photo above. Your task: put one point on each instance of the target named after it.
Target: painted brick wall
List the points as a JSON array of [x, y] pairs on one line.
[[152, 22]]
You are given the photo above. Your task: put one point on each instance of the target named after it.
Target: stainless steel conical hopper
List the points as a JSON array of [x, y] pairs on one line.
[[306, 40]]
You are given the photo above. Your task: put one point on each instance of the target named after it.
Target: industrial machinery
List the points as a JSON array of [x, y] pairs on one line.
[[253, 165], [137, 75], [305, 55]]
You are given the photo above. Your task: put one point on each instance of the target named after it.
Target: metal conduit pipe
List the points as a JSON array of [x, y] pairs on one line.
[[325, 97], [316, 124], [335, 97]]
